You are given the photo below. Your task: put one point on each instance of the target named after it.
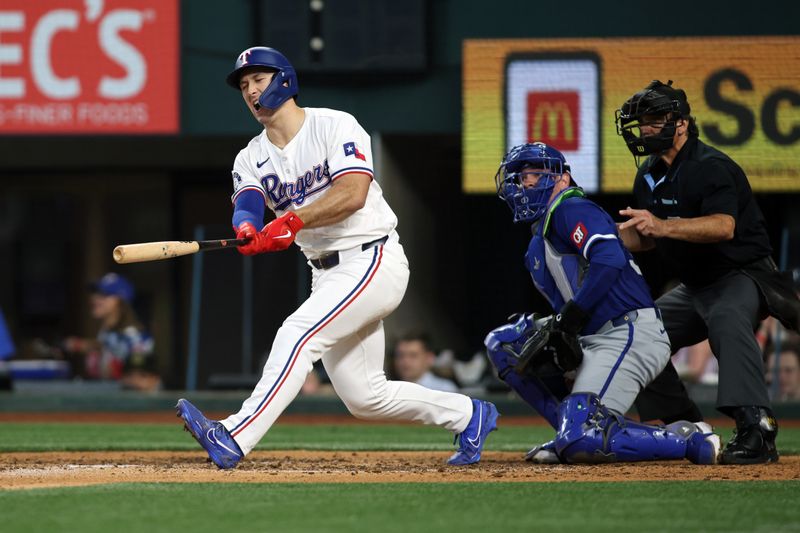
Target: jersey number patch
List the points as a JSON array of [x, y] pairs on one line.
[[578, 234]]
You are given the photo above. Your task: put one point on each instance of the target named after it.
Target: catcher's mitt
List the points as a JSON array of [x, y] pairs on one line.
[[549, 345]]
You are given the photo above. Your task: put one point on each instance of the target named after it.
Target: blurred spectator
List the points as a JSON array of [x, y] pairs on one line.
[[767, 332], [122, 350], [317, 383], [788, 375], [771, 331], [470, 374], [6, 351], [413, 360], [6, 344], [697, 364]]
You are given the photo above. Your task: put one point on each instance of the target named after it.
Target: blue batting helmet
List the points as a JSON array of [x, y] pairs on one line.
[[528, 203], [283, 85]]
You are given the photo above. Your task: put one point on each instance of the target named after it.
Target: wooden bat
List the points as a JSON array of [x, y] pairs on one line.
[[155, 251]]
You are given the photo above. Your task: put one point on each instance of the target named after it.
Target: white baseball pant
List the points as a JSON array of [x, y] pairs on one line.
[[341, 323]]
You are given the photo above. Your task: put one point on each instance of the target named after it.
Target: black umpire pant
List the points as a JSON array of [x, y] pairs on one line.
[[726, 312]]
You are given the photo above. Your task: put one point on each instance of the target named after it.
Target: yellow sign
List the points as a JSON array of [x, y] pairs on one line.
[[743, 91]]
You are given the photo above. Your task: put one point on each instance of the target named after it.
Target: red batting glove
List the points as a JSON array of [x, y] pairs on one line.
[[280, 233], [256, 244]]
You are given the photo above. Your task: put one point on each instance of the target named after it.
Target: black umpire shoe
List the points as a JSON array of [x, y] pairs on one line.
[[754, 437]]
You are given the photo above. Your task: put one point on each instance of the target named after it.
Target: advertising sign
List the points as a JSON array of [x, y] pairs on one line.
[[743, 91], [89, 66]]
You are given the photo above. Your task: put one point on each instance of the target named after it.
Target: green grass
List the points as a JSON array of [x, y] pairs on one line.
[[79, 437], [586, 507], [89, 437], [769, 506]]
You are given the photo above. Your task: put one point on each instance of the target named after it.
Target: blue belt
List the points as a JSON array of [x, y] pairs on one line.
[[332, 259], [623, 319]]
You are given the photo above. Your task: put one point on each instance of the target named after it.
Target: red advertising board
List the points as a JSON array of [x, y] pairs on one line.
[[89, 66]]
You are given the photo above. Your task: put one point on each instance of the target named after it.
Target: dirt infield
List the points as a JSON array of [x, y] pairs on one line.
[[58, 469], [19, 470]]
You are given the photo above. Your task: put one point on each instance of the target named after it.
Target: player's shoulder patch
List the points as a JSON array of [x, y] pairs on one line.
[[578, 218], [352, 149], [578, 234], [237, 180]]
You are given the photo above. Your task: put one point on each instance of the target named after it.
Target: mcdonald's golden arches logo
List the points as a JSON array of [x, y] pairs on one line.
[[553, 119]]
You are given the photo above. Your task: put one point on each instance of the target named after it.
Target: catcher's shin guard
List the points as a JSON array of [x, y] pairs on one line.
[[590, 433]]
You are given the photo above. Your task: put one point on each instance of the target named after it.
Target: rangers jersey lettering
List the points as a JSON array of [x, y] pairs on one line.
[[330, 144]]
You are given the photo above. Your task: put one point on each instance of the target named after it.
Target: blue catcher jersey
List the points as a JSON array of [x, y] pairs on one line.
[[579, 233]]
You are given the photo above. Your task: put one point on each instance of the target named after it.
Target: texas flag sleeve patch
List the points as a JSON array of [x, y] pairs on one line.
[[351, 148]]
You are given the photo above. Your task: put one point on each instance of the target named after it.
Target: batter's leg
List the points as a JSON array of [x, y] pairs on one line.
[[343, 299], [355, 368]]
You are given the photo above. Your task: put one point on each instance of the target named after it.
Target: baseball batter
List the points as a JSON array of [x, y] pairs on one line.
[[607, 329], [313, 169]]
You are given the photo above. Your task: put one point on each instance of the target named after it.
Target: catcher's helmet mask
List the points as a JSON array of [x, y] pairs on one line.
[[284, 83], [529, 203], [658, 104]]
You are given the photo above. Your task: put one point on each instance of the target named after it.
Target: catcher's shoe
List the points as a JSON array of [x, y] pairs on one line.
[[753, 439], [472, 439], [703, 446], [212, 435], [686, 429], [543, 454]]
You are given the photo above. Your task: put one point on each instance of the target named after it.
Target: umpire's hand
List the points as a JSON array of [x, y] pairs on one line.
[[644, 221]]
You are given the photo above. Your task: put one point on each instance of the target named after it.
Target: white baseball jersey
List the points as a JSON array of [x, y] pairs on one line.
[[329, 145]]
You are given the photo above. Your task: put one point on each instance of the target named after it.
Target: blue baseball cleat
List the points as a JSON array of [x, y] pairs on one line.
[[472, 439], [211, 435]]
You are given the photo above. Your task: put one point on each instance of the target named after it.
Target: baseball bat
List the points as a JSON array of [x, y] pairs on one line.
[[156, 251]]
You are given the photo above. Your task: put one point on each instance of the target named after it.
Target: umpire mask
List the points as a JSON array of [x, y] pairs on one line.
[[658, 105]]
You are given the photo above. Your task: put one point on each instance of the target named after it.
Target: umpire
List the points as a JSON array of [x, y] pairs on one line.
[[695, 206]]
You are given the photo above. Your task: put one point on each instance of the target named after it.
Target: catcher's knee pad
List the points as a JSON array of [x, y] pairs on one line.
[[591, 433], [504, 343]]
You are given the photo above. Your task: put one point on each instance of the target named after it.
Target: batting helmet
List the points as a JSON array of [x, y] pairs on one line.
[[283, 85], [529, 203], [656, 101]]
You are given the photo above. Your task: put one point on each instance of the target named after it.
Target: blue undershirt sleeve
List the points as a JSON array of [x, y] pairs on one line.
[[595, 285], [249, 207]]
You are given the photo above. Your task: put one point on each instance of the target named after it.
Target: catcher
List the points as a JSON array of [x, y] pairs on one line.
[[607, 333]]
